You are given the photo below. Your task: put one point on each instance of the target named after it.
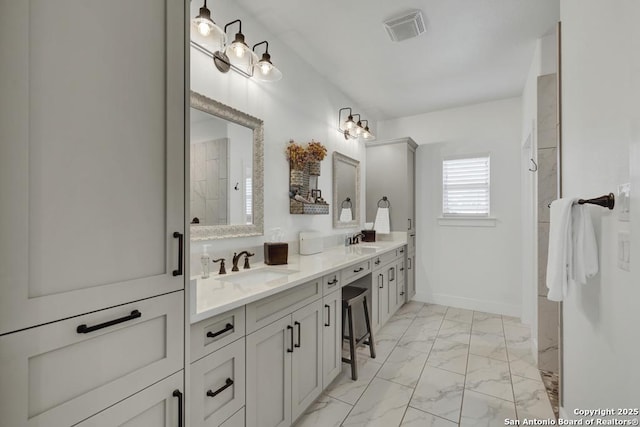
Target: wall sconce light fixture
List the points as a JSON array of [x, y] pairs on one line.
[[264, 69], [236, 55], [350, 128]]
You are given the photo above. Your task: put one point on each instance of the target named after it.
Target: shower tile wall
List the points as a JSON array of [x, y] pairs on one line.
[[548, 311], [209, 181]]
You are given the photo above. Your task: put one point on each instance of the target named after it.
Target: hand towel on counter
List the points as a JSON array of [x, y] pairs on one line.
[[382, 225], [346, 215], [573, 252]]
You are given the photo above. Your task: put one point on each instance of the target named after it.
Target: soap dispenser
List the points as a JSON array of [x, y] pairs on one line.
[[204, 260]]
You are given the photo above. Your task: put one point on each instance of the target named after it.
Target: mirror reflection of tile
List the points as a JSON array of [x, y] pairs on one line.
[[209, 182]]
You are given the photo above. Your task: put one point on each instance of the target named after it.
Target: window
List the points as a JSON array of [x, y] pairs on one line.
[[465, 187]]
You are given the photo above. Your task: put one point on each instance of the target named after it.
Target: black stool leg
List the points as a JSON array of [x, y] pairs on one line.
[[352, 346], [372, 348]]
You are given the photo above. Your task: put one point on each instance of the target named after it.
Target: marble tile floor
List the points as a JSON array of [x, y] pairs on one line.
[[441, 367]]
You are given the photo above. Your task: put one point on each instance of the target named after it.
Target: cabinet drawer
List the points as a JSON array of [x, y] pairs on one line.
[[236, 420], [381, 260], [63, 376], [274, 307], [331, 282], [211, 334], [218, 385], [154, 406], [354, 272]]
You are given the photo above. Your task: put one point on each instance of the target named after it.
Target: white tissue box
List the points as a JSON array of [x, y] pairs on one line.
[[310, 243]]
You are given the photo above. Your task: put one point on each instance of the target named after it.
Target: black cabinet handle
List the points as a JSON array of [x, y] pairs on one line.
[[180, 238], [392, 277], [290, 350], [409, 259], [333, 282], [84, 329], [358, 270], [227, 383], [402, 269], [228, 327], [402, 250], [299, 328], [380, 283], [409, 223], [178, 394], [377, 262], [328, 315], [402, 293]]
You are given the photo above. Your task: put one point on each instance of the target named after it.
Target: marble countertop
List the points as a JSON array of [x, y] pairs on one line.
[[219, 293]]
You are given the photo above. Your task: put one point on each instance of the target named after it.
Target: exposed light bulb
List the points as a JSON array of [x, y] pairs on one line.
[[358, 130], [366, 135], [265, 68], [204, 28], [238, 50], [349, 124]]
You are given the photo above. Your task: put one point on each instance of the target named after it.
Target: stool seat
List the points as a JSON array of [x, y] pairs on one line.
[[352, 295]]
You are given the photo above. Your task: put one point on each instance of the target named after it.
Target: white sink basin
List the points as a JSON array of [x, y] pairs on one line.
[[367, 249], [257, 277]]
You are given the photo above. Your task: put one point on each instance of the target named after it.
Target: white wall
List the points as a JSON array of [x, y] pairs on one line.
[[601, 149], [469, 267], [301, 106]]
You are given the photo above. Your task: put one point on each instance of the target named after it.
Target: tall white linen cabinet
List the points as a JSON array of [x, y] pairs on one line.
[[92, 130]]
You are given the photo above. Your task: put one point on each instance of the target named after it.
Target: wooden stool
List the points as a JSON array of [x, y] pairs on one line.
[[352, 295]]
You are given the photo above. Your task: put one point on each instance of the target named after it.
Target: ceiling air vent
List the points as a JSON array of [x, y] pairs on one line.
[[405, 26]]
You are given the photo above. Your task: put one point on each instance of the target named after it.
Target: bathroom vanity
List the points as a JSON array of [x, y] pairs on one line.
[[265, 342]]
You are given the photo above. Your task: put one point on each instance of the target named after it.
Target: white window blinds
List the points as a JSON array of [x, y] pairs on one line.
[[465, 187]]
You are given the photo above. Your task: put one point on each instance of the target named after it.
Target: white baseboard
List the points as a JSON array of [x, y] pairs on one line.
[[470, 304]]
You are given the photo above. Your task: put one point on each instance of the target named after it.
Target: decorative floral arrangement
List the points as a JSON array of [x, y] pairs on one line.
[[297, 155], [316, 151]]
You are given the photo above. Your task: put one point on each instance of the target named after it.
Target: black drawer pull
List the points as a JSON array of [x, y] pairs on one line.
[[402, 250], [290, 350], [409, 259], [84, 329], [299, 333], [402, 293], [178, 394], [333, 282], [328, 315], [228, 327], [227, 383], [180, 238], [377, 262], [402, 269], [358, 270], [380, 284]]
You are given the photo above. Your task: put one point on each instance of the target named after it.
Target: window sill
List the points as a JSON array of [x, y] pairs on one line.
[[467, 221]]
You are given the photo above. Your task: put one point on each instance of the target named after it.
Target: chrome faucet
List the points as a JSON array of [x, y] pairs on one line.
[[237, 256]]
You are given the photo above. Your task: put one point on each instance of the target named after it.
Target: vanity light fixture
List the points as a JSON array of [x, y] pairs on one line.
[[350, 128], [238, 48], [205, 25], [265, 70]]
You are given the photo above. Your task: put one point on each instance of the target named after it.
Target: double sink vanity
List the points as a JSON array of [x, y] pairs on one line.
[[265, 342]]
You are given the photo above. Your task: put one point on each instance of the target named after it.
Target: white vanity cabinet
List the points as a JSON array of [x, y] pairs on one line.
[[64, 372], [396, 159], [92, 156], [156, 406], [331, 337], [387, 285], [284, 367]]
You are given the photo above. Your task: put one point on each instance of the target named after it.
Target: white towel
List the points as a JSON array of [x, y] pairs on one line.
[[585, 248], [573, 251], [560, 245], [382, 225], [346, 215]]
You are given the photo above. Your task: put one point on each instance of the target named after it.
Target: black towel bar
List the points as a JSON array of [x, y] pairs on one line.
[[606, 201]]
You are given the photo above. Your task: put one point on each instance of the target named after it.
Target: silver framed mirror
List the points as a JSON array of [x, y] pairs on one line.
[[346, 191], [226, 171]]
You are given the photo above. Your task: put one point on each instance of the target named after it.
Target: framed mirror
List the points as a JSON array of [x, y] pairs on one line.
[[346, 191], [226, 171]]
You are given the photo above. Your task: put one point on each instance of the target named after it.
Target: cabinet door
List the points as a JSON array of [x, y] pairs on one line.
[[382, 282], [268, 374], [306, 371], [411, 276], [92, 155], [331, 337], [63, 373], [411, 191], [217, 385], [156, 406], [402, 283]]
